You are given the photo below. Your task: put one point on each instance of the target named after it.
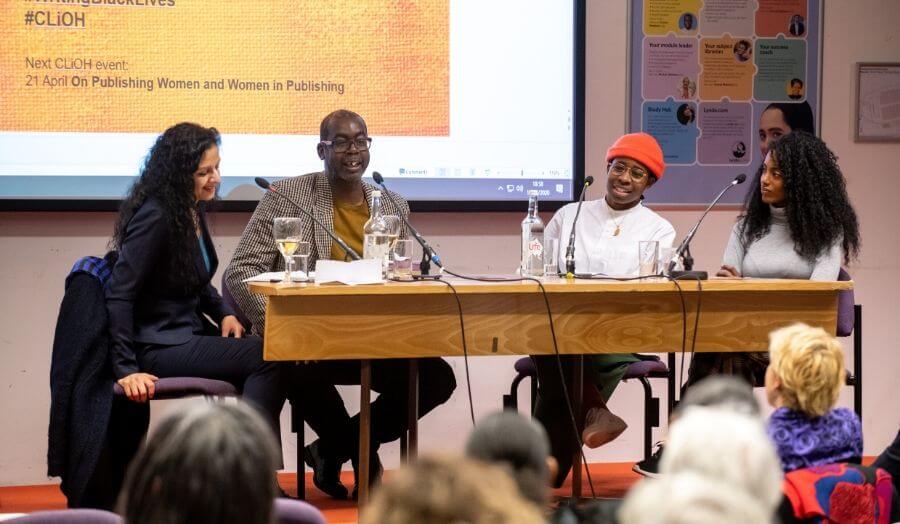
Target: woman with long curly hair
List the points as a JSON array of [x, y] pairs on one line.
[[798, 223], [160, 290]]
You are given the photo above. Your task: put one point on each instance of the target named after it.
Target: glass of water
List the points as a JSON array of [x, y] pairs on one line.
[[287, 232], [401, 259], [300, 262], [648, 258], [551, 257]]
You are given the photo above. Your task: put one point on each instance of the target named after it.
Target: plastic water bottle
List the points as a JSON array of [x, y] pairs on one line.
[[532, 240], [377, 234]]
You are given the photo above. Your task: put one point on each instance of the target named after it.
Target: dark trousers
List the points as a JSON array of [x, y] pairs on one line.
[[313, 384], [552, 412], [235, 360], [749, 366]]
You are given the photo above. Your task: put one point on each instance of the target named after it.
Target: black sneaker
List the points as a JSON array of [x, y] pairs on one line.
[[649, 467]]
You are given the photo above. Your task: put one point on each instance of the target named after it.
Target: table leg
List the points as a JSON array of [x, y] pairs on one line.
[[577, 392], [413, 403], [365, 428]]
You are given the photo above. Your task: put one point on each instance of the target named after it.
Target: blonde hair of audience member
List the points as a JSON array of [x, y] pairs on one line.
[[725, 447], [518, 443], [806, 370], [689, 498], [451, 490], [204, 463]]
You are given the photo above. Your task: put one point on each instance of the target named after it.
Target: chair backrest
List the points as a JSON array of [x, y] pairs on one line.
[[228, 298], [289, 511], [841, 493], [70, 516], [846, 301]]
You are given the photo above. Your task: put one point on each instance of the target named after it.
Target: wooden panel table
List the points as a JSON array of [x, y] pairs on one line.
[[421, 319]]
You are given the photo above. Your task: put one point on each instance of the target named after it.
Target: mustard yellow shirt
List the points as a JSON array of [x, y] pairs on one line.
[[349, 220]]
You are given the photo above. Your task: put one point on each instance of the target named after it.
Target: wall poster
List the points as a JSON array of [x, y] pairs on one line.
[[701, 74]]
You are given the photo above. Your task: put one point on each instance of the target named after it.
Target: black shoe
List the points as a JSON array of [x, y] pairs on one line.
[[649, 467], [326, 471], [376, 471]]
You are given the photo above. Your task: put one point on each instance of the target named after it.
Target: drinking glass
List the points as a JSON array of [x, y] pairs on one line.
[[401, 259], [551, 257], [287, 232], [665, 256], [648, 257], [300, 262]]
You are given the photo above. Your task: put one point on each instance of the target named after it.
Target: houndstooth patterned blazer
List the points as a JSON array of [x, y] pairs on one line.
[[256, 252]]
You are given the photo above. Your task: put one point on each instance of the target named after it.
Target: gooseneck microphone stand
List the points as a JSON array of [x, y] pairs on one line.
[[684, 249], [428, 253]]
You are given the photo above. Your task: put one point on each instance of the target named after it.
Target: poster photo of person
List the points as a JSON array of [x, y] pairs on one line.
[[795, 89], [687, 22], [685, 114], [743, 50]]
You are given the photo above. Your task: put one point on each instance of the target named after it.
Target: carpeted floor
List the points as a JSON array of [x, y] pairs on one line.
[[610, 481]]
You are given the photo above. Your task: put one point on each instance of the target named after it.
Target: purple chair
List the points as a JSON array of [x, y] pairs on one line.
[[288, 511], [71, 516], [648, 367], [849, 322], [183, 387]]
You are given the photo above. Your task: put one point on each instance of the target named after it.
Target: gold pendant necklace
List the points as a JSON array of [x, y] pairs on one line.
[[618, 227]]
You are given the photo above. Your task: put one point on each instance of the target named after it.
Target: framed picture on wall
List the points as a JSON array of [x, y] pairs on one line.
[[877, 102]]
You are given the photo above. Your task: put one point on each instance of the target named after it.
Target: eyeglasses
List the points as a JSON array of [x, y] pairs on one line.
[[619, 168], [342, 145]]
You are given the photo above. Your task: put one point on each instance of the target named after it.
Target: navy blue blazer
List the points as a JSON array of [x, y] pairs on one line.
[[145, 303]]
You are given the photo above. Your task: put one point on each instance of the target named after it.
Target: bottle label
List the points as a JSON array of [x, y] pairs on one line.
[[535, 248]]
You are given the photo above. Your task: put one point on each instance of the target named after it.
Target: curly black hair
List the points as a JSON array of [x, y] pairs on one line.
[[168, 177], [819, 212]]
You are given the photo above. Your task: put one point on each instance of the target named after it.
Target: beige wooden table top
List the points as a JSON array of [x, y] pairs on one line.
[[552, 285]]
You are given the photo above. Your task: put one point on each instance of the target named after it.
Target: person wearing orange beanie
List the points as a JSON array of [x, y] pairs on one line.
[[606, 243]]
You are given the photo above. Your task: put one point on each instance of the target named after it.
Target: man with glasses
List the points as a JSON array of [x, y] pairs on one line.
[[606, 243], [340, 199]]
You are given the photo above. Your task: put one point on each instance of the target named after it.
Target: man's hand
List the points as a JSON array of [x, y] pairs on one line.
[[139, 387], [231, 326], [728, 272]]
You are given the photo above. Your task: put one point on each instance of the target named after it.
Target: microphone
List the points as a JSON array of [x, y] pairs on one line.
[[570, 249], [428, 253], [684, 249], [263, 183]]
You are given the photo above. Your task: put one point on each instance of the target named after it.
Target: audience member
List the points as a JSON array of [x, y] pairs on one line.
[[721, 391], [206, 463], [803, 381], [725, 447], [519, 444], [690, 498], [450, 490], [889, 460]]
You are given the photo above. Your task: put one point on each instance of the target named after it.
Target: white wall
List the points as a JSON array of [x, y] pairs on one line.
[[39, 248]]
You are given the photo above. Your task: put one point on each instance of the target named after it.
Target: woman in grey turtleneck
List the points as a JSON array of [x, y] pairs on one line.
[[798, 223]]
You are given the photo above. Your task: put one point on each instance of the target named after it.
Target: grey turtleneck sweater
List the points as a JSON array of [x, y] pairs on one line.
[[773, 255]]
